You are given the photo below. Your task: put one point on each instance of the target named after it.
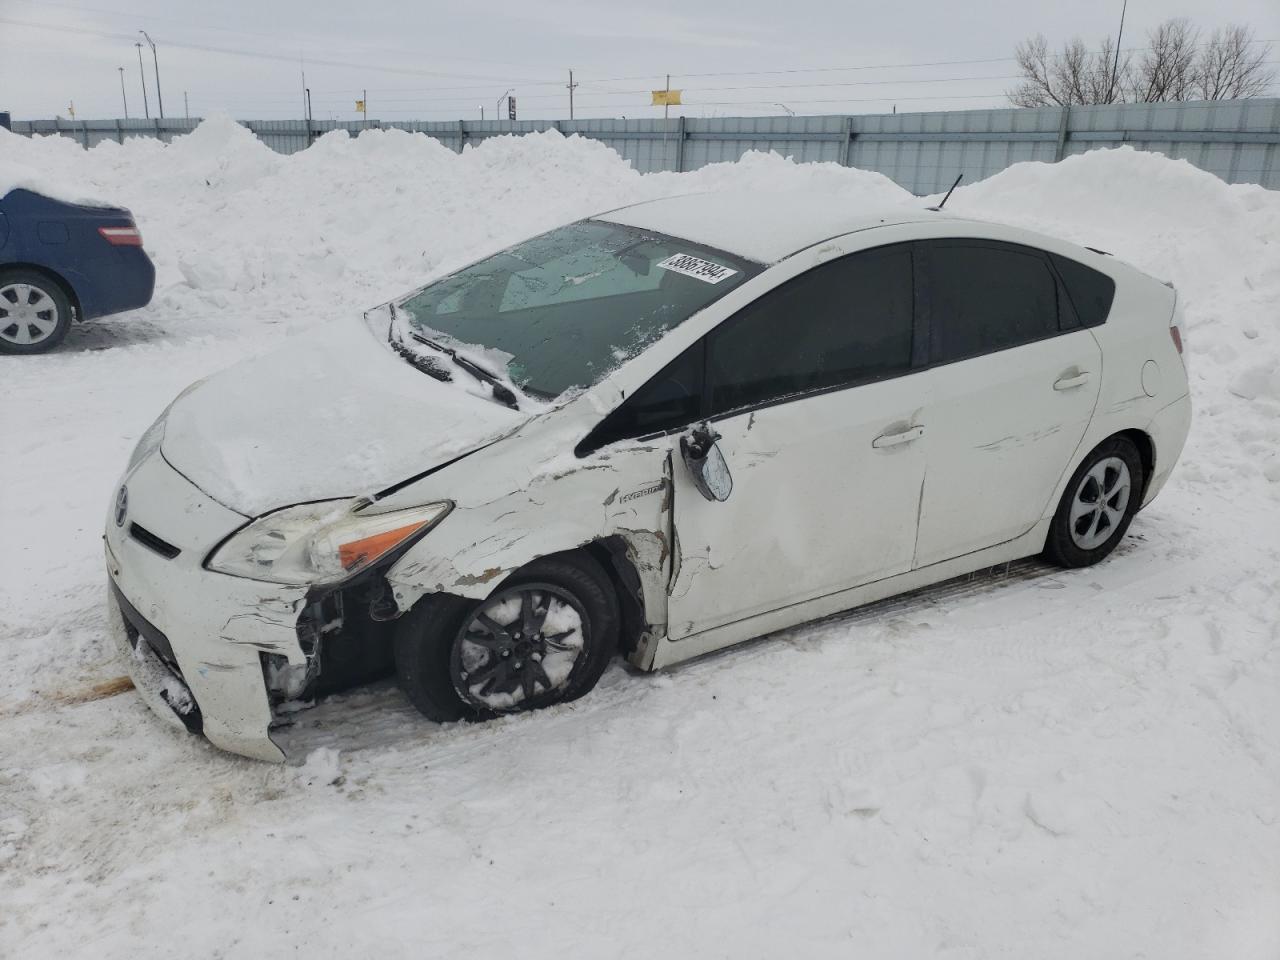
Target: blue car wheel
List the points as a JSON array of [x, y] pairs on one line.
[[35, 313]]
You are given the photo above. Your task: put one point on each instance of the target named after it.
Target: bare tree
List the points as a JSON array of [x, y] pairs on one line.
[[1174, 65], [1167, 68], [1077, 75], [1233, 66]]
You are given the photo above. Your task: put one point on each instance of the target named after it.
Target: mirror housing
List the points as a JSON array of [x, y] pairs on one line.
[[706, 464]]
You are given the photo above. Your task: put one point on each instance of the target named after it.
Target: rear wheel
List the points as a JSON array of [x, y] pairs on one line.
[[544, 636], [35, 312], [1097, 506]]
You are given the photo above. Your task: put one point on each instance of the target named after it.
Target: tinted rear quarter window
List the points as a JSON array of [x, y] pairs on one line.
[[986, 296], [1090, 290]]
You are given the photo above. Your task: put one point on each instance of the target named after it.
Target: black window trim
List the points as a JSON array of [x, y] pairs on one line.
[[921, 333], [917, 353]]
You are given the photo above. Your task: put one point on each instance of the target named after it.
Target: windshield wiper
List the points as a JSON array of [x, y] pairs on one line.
[[501, 392], [416, 360], [395, 337]]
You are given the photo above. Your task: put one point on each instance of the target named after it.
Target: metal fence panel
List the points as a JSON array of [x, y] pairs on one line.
[[1237, 140]]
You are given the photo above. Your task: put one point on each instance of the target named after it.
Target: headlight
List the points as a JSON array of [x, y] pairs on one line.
[[149, 442], [316, 543]]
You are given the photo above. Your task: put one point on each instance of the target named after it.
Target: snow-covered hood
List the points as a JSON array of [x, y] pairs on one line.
[[329, 414]]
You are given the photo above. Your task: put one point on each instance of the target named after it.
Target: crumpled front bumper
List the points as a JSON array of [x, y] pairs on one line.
[[194, 640]]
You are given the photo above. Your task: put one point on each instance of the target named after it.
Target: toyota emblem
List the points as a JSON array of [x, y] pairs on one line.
[[122, 505]]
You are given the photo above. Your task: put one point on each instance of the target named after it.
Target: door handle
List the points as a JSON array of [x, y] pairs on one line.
[[893, 439], [1071, 382]]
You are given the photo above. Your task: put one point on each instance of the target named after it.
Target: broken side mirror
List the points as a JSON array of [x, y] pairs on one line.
[[706, 463]]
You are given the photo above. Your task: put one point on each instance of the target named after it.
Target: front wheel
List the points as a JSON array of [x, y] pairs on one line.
[[544, 636], [1096, 508]]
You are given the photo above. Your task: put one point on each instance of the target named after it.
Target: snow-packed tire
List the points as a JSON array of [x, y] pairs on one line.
[[544, 636], [1097, 505], [35, 311]]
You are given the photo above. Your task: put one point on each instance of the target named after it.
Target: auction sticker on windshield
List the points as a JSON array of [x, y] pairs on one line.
[[692, 266]]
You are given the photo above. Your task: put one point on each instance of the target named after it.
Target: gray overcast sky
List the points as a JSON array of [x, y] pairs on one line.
[[431, 61]]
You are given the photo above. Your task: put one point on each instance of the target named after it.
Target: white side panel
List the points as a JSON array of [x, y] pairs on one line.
[[1001, 430], [670, 652], [815, 507]]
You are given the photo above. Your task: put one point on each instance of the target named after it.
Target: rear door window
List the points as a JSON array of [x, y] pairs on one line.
[[842, 323], [986, 296]]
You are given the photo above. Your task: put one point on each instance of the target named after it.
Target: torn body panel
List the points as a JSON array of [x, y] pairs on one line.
[[212, 630], [622, 494]]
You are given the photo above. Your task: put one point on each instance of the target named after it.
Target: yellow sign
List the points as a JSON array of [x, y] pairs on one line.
[[666, 98], [359, 106]]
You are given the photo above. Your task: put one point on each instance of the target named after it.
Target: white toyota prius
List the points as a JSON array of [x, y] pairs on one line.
[[656, 432]]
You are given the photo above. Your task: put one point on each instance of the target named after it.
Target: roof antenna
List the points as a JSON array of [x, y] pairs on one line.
[[948, 196]]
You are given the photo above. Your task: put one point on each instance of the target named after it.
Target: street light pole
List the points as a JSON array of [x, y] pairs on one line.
[[156, 60], [145, 109], [123, 96]]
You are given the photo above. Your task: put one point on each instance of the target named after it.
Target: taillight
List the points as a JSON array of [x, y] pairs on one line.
[[1176, 333], [121, 236]]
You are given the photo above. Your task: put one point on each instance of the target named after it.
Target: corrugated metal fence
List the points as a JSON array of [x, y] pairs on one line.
[[1238, 140]]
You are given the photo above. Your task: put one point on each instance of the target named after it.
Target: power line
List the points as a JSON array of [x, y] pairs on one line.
[[256, 54], [879, 66], [134, 17]]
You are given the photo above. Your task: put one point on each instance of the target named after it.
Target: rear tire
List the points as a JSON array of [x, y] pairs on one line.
[[454, 667], [1097, 505], [35, 311]]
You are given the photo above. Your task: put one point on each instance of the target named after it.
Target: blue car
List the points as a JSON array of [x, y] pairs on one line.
[[61, 262]]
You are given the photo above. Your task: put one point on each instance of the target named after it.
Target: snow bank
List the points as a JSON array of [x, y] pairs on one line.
[[353, 221], [246, 240], [17, 175], [1082, 764]]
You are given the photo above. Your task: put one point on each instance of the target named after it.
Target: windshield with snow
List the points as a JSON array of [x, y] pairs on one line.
[[564, 308]]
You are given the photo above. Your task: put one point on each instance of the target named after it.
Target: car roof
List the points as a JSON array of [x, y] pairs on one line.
[[764, 227]]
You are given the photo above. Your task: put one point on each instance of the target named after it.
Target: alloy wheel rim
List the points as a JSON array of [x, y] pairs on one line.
[[28, 314], [1099, 504], [519, 649]]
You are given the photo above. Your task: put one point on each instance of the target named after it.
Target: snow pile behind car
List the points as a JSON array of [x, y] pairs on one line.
[[1085, 764]]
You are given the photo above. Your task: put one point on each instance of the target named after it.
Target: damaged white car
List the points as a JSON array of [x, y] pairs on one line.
[[658, 432]]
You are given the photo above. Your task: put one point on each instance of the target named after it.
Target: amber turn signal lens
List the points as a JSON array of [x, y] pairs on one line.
[[359, 553]]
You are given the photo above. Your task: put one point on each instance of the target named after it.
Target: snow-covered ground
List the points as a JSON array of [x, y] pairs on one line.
[[1050, 765]]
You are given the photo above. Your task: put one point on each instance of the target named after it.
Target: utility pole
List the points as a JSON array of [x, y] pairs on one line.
[[123, 96], [364, 105], [156, 61], [571, 86], [666, 106], [145, 109], [497, 107], [1115, 64], [186, 105], [482, 113]]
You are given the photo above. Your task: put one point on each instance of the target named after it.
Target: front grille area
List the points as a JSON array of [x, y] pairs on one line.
[[141, 630], [152, 542]]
